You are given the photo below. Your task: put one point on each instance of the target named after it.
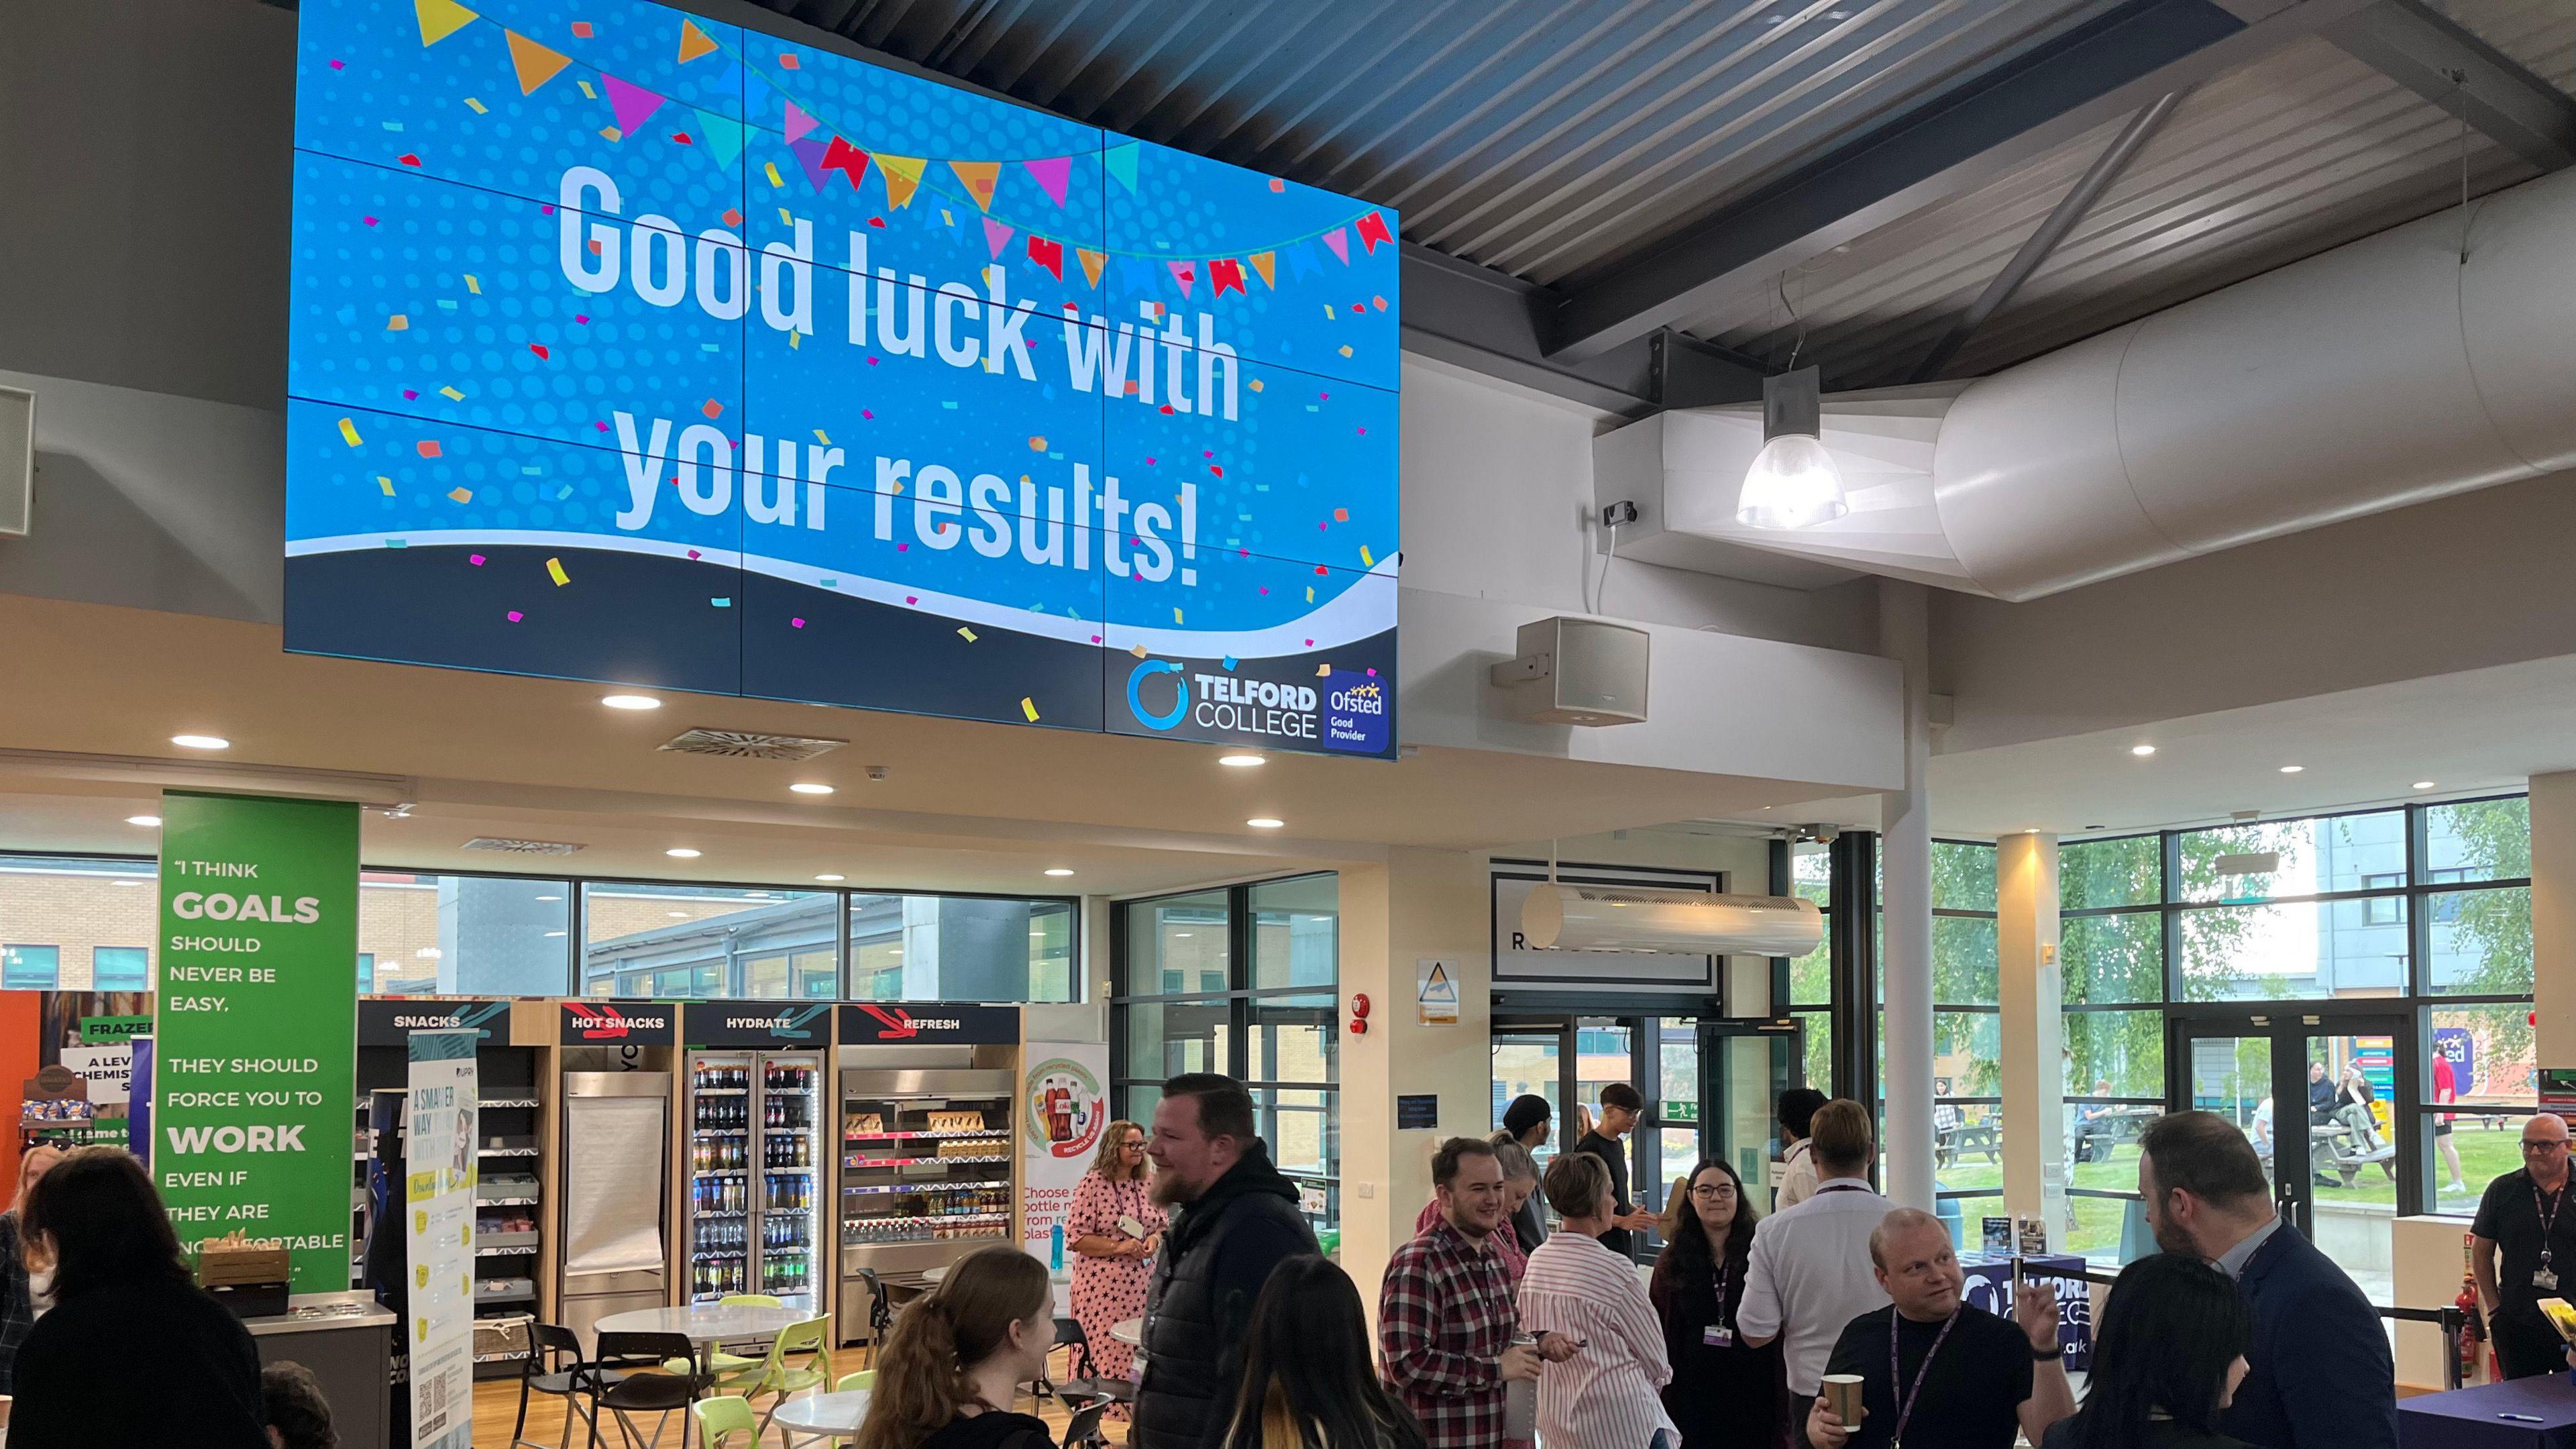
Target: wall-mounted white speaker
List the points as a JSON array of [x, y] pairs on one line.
[[17, 460], [1577, 672]]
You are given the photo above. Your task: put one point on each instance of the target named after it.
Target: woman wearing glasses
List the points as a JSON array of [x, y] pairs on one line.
[[1113, 1227], [1724, 1395]]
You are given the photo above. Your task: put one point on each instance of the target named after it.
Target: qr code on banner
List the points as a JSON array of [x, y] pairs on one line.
[[433, 1419]]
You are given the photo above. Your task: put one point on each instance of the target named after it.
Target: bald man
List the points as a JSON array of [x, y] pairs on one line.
[[2519, 1223]]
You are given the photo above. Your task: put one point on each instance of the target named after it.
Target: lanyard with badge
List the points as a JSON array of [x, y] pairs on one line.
[[2543, 1277], [1922, 1371], [1718, 1334]]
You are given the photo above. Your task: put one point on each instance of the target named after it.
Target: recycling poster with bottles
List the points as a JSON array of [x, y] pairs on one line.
[[255, 1078], [438, 1190]]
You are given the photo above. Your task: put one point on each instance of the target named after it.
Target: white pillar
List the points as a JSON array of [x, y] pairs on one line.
[[2553, 916], [2034, 1089], [1905, 862]]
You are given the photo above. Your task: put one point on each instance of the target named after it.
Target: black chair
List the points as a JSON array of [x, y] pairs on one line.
[[880, 1312], [1084, 1431], [553, 1366], [615, 1381], [1085, 1388]]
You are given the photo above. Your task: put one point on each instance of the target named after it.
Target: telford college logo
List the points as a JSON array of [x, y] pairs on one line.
[[1180, 709]]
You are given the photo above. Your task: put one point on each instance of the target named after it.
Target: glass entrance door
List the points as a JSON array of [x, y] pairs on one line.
[[1744, 1067], [2315, 1094]]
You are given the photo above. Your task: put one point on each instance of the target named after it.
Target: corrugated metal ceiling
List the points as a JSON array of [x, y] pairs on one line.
[[1544, 138], [1555, 141]]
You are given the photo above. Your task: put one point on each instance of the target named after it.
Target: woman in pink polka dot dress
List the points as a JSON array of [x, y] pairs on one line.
[[1113, 1228]]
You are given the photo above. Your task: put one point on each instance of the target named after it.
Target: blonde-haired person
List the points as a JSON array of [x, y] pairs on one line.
[[957, 1355], [1113, 1228], [22, 1297]]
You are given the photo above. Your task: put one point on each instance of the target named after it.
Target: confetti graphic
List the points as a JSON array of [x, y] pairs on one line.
[[754, 351]]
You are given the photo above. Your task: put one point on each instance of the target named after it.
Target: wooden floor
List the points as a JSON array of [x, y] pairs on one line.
[[496, 1408]]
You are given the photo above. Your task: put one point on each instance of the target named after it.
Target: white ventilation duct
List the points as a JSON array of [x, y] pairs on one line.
[[1673, 923], [2382, 373]]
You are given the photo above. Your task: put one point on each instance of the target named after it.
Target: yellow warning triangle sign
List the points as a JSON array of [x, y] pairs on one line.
[[693, 42], [536, 64], [1438, 989], [440, 19]]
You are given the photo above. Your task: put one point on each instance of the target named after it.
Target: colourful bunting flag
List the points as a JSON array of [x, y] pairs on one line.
[[1339, 245], [1184, 273], [1267, 264], [1135, 275], [902, 174], [980, 178], [809, 154], [1225, 272], [847, 159], [440, 19], [632, 103], [693, 42], [1050, 173], [996, 237], [1301, 260], [724, 136], [1048, 254], [1092, 262], [798, 123], [1120, 163], [535, 64], [1372, 230]]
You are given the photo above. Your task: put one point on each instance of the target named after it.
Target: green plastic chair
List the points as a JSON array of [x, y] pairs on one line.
[[720, 1419], [862, 1382], [777, 1377]]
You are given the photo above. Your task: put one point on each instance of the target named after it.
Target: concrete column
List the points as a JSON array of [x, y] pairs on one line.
[[2553, 916], [1905, 860], [2034, 1032], [1420, 903]]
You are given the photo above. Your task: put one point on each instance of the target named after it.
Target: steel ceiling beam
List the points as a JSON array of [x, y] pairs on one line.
[[1489, 322], [2092, 77], [2041, 244], [2435, 57]]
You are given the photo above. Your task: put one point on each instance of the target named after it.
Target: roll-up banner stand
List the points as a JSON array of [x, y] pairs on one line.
[[256, 1025], [438, 1187]]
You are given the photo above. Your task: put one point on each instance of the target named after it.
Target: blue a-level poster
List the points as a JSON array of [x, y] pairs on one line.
[[635, 347]]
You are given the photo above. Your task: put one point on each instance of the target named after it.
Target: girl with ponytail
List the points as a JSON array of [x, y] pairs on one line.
[[956, 1357]]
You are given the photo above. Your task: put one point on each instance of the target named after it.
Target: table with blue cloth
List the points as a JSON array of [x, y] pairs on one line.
[[2533, 1413], [1989, 1286]]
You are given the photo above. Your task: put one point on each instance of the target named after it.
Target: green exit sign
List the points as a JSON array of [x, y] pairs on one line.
[[1681, 1113]]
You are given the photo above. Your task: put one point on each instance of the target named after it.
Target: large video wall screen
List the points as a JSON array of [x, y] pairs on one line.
[[635, 347]]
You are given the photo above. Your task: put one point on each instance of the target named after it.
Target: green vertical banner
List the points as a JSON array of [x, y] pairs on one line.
[[256, 1035]]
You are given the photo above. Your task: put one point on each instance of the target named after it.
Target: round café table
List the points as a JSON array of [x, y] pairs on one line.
[[824, 1413], [706, 1324]]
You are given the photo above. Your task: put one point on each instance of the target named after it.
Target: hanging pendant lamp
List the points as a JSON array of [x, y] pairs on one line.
[[1793, 482]]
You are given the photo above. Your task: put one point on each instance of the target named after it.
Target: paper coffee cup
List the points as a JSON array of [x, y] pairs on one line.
[[1842, 1395]]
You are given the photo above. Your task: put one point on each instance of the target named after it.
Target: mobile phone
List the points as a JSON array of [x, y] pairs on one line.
[[2016, 1275]]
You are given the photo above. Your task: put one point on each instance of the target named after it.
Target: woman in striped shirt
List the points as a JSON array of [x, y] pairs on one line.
[[1607, 1395]]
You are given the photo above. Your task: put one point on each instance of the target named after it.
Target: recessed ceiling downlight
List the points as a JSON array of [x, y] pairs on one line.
[[201, 742]]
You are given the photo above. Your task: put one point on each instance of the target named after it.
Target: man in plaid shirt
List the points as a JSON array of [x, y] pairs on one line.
[[1446, 1317]]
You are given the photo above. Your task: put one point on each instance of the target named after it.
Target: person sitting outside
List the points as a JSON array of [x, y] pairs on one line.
[[2168, 1353], [1935, 1370]]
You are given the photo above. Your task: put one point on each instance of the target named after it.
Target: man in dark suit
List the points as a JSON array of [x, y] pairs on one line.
[[2319, 1374]]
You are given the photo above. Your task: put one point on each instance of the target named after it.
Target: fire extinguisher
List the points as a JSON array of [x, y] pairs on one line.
[[2473, 1330]]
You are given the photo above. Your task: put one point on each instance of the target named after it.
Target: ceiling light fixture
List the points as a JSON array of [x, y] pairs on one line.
[[201, 742], [809, 787], [1242, 762], [2292, 769], [148, 822], [2423, 784], [1793, 482], [631, 701], [682, 852], [1264, 822], [1058, 870], [2142, 751], [549, 898], [831, 877]]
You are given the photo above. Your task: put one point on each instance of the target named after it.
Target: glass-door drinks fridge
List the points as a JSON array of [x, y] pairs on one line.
[[753, 1164]]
